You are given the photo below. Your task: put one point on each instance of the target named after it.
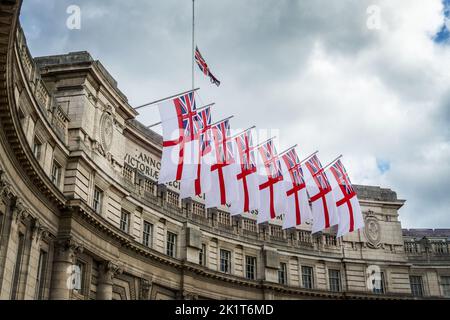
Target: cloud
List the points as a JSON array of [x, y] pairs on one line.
[[311, 69]]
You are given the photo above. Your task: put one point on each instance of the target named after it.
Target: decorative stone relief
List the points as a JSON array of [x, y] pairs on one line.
[[38, 231], [145, 287], [108, 271], [20, 212], [68, 249], [106, 131], [6, 190], [372, 231]]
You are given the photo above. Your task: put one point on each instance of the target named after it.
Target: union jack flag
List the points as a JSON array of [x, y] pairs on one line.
[[246, 152], [293, 164], [204, 67], [342, 177], [224, 145], [187, 114], [317, 172], [271, 161], [204, 124]]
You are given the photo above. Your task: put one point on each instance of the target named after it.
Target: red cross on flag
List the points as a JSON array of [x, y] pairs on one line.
[[180, 139], [248, 186], [202, 183], [324, 209], [223, 169], [350, 215], [272, 191], [298, 210]]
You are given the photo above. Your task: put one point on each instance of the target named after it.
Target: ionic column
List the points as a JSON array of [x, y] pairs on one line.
[[107, 272], [66, 252]]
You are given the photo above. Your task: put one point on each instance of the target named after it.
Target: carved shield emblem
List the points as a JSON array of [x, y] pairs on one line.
[[372, 231], [107, 131]]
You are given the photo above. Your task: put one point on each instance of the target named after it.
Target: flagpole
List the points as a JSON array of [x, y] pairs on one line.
[[308, 157], [287, 150], [259, 145], [164, 99], [220, 121], [199, 109], [193, 41], [332, 162], [242, 132]]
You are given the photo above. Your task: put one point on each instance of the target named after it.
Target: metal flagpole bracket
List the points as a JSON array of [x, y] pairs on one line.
[[164, 99], [332, 162]]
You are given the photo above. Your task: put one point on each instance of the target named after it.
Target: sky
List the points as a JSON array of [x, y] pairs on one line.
[[366, 79]]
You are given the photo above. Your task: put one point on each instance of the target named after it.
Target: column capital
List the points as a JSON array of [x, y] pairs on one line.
[[38, 231], [145, 286], [68, 249], [108, 270], [20, 211]]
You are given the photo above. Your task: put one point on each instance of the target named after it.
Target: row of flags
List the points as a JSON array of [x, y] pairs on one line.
[[234, 171]]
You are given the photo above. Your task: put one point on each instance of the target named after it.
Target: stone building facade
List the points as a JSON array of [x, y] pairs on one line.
[[81, 216]]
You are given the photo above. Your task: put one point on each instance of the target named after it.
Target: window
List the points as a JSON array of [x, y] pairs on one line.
[[37, 147], [445, 281], [78, 277], [147, 235], [378, 284], [225, 261], [171, 244], [250, 267], [56, 173], [282, 273], [125, 221], [202, 255], [416, 286], [335, 280], [98, 198], [307, 277], [40, 279]]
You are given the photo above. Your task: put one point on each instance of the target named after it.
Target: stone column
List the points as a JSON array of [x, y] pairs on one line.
[[107, 272], [65, 255]]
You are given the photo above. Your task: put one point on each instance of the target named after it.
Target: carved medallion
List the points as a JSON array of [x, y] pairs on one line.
[[372, 231], [107, 131]]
